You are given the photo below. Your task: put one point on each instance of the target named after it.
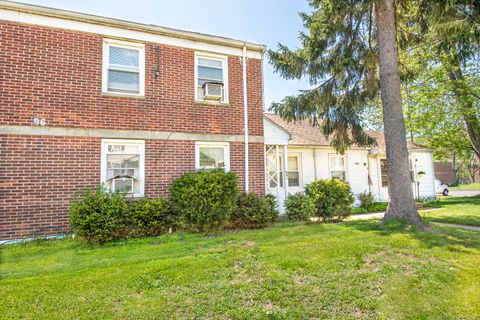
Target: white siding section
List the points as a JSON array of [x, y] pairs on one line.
[[424, 162], [315, 165], [357, 170], [273, 134]]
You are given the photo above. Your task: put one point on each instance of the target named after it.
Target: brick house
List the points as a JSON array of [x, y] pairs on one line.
[[88, 100]]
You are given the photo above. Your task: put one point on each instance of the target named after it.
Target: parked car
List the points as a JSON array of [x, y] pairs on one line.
[[441, 187]]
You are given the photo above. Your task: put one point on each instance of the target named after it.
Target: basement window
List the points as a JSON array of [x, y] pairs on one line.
[[123, 68], [122, 167]]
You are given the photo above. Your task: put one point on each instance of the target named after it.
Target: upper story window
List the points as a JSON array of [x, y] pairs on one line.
[[211, 78], [212, 155], [337, 167], [122, 166], [123, 67]]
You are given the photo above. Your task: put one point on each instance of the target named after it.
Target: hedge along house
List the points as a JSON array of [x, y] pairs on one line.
[[89, 100], [310, 156]]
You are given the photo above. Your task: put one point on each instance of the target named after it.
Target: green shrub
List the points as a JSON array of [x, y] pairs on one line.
[[98, 216], [366, 199], [151, 217], [204, 200], [299, 207], [375, 207], [332, 198], [378, 206], [254, 211]]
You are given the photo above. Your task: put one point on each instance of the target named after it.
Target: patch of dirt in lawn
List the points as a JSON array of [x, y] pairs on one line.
[[249, 244]]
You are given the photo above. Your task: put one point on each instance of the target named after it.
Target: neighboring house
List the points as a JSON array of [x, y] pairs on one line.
[[444, 172], [310, 156], [88, 100]]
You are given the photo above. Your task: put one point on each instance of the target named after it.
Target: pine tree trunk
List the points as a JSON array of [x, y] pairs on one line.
[[402, 204]]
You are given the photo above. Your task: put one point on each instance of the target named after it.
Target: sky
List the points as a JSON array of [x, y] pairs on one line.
[[266, 22]]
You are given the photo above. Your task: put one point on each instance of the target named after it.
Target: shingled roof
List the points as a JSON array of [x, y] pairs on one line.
[[304, 134]]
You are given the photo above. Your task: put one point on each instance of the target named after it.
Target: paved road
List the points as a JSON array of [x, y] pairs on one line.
[[457, 193]]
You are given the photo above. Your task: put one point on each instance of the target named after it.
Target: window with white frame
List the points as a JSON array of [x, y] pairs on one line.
[[123, 67], [384, 173], [211, 78], [212, 155], [123, 163], [293, 172], [337, 167]]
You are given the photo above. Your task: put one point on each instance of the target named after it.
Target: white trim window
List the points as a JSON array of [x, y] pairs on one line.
[[123, 68], [337, 165], [384, 173], [211, 77], [293, 172], [123, 166], [212, 155]]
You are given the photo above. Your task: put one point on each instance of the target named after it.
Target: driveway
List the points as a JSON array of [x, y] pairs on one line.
[[459, 193]]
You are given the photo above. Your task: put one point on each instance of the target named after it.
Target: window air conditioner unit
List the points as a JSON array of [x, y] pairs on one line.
[[123, 184], [213, 90]]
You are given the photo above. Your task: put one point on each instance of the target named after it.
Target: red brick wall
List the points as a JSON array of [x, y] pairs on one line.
[[444, 172], [39, 175], [56, 74]]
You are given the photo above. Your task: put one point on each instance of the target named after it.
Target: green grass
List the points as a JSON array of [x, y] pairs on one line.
[[353, 270], [466, 187], [457, 210]]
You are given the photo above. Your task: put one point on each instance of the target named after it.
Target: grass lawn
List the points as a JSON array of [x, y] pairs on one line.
[[354, 270], [466, 187], [458, 210]]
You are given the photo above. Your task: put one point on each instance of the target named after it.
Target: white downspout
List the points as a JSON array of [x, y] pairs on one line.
[[245, 114], [285, 173]]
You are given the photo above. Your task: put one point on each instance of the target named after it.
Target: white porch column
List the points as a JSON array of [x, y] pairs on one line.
[[277, 166], [285, 171]]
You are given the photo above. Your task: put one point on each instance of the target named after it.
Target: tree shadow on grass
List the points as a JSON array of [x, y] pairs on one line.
[[448, 201], [452, 239]]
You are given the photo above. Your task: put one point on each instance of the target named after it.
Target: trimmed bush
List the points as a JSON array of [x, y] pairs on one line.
[[378, 206], [151, 217], [204, 200], [366, 199], [333, 198], [299, 207], [375, 207], [98, 216], [254, 211]]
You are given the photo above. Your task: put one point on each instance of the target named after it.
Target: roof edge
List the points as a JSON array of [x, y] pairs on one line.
[[278, 126], [130, 25]]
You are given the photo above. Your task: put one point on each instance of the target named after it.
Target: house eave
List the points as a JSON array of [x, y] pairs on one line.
[[128, 25]]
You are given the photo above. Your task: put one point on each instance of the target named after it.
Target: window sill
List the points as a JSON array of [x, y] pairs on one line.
[[122, 95], [211, 103]]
